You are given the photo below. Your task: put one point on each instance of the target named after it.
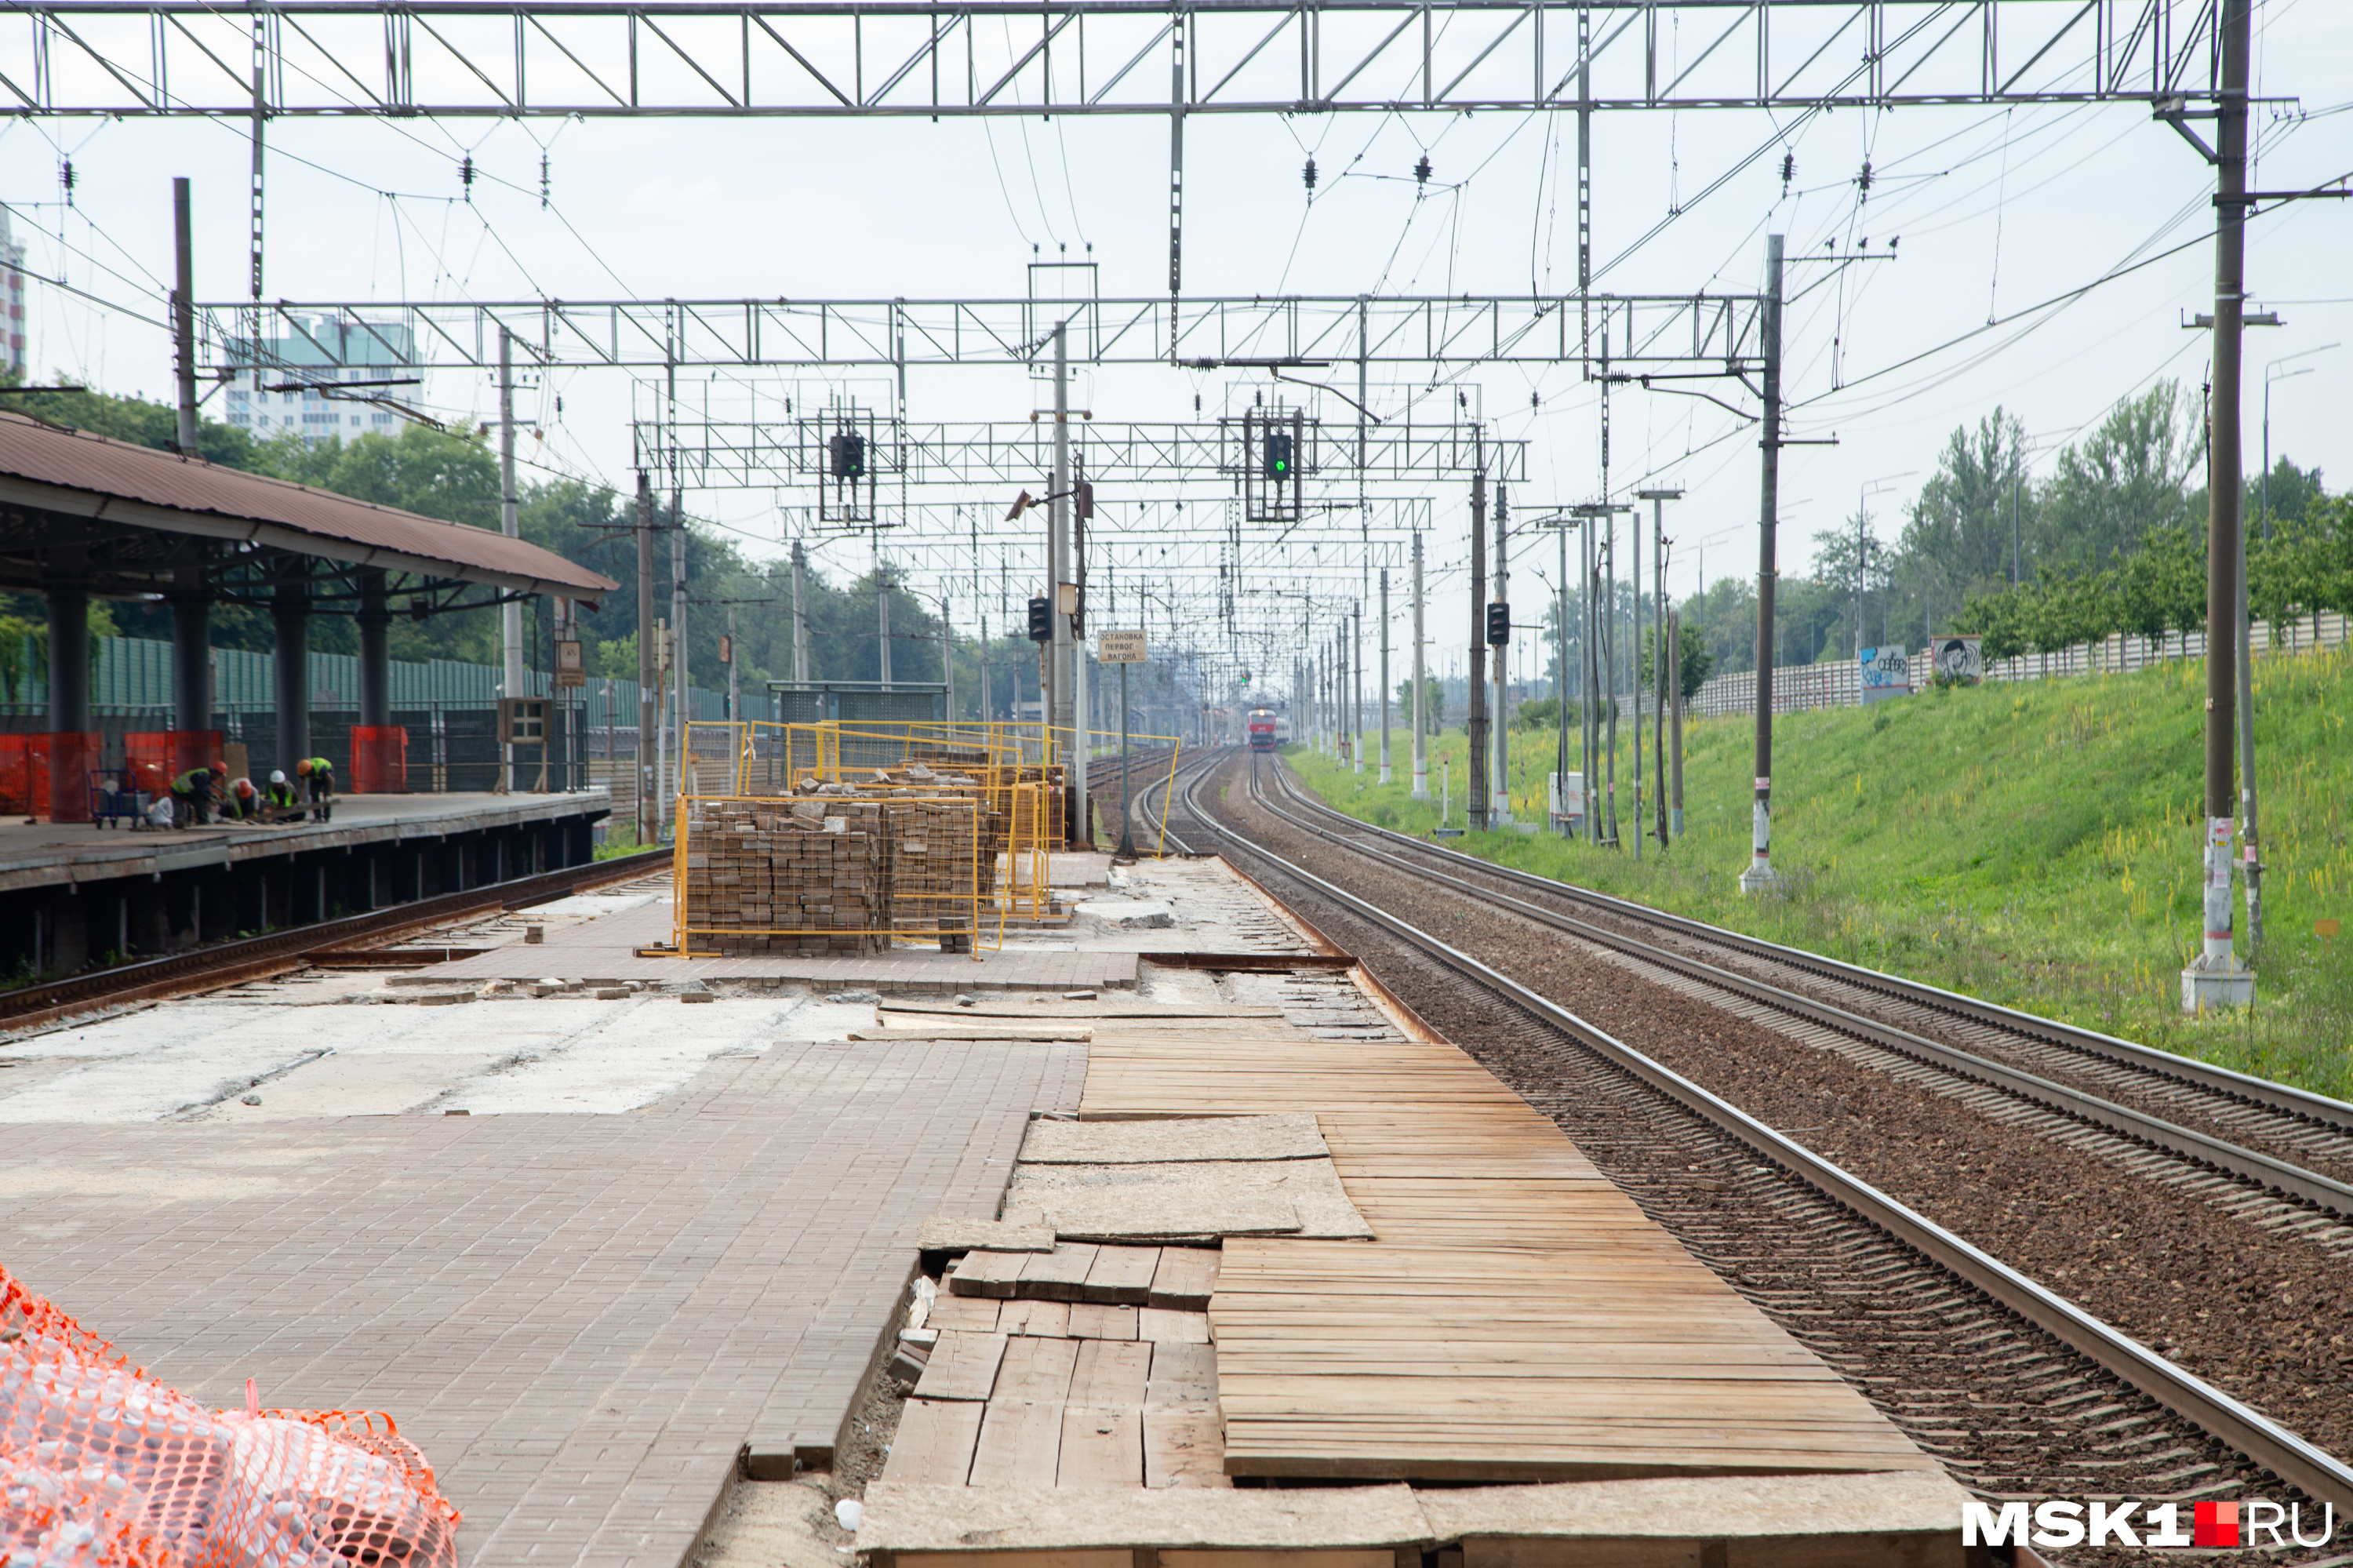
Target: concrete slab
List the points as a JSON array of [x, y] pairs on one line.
[[40, 855], [1290, 1137], [606, 949], [904, 1519], [1223, 1197]]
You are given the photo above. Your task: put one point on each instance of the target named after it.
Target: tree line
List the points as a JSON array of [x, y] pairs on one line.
[[454, 476], [2109, 536]]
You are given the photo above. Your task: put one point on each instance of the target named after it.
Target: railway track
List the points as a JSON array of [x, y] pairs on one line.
[[2298, 1142], [2018, 1389], [220, 964]]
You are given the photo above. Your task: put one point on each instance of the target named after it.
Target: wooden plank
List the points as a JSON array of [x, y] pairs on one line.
[[1162, 1326], [1108, 1373], [1097, 1321], [964, 1314], [1519, 1318], [1056, 1276], [1185, 1277], [1185, 1446], [1021, 1443], [1047, 1320], [1182, 1374], [935, 1443], [963, 1366], [987, 1273], [1036, 1371], [1122, 1275], [1102, 1447]]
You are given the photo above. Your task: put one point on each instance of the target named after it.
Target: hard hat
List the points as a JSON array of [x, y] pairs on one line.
[[303, 765], [277, 776], [219, 766], [244, 786]]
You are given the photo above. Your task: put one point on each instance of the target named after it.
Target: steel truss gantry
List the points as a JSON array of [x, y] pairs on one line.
[[837, 58], [714, 454], [1270, 332]]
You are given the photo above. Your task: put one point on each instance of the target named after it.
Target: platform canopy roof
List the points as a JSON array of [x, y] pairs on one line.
[[134, 509]]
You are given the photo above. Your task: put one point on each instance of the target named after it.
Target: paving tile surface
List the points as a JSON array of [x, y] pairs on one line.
[[580, 1319], [606, 950]]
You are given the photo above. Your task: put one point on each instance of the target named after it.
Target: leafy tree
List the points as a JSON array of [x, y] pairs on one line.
[[2124, 484], [1433, 703]]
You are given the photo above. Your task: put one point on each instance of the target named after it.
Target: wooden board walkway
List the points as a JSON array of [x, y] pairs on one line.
[[1516, 1317]]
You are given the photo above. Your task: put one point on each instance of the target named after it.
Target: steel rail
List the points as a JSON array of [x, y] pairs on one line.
[[229, 963], [2186, 1143], [2284, 1097], [2322, 1475]]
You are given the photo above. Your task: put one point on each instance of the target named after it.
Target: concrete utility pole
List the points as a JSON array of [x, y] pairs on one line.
[[1560, 669], [510, 523], [1499, 808], [1357, 678], [800, 616], [682, 663], [882, 622], [1475, 722], [734, 684], [1759, 877], [183, 314], [2214, 979], [1634, 665], [1063, 587], [1589, 629], [1658, 500], [1421, 680], [648, 717], [1609, 671], [1384, 674], [1675, 729]]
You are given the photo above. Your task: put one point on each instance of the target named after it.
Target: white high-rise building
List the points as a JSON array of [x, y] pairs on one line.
[[323, 350], [11, 273]]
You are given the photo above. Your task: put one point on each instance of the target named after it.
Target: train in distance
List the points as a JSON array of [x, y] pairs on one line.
[[1269, 729]]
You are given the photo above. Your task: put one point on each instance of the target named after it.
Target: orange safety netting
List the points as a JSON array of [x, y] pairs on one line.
[[103, 1467]]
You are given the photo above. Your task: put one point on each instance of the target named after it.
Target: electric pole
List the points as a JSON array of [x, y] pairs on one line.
[[1659, 653], [1420, 679], [2215, 978], [1384, 674], [183, 316], [647, 717], [1499, 808], [1759, 876], [1475, 723], [800, 616], [510, 524]]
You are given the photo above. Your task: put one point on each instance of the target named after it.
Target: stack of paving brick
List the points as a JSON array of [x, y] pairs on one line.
[[813, 876], [934, 878]]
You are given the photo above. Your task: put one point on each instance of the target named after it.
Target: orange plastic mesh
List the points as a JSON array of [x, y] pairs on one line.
[[103, 1467]]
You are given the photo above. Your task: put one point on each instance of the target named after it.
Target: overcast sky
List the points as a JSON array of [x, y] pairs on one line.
[[1997, 212]]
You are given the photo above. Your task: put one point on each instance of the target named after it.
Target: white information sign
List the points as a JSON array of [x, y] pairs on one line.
[[1119, 648]]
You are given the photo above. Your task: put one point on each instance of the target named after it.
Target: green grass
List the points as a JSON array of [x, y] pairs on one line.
[[2036, 845]]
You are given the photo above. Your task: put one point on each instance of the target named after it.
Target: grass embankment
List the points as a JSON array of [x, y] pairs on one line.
[[2036, 845]]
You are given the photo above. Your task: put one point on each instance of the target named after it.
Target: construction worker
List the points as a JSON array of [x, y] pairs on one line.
[[318, 776], [242, 803], [193, 793], [279, 799]]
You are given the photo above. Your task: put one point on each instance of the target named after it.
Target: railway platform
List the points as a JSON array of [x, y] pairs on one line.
[[605, 1257], [76, 891]]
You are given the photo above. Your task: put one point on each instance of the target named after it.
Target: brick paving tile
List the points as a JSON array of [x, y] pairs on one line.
[[580, 1319]]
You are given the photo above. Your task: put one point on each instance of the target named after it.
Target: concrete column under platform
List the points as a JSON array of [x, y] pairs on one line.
[[289, 613], [192, 662], [69, 656], [375, 651]]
